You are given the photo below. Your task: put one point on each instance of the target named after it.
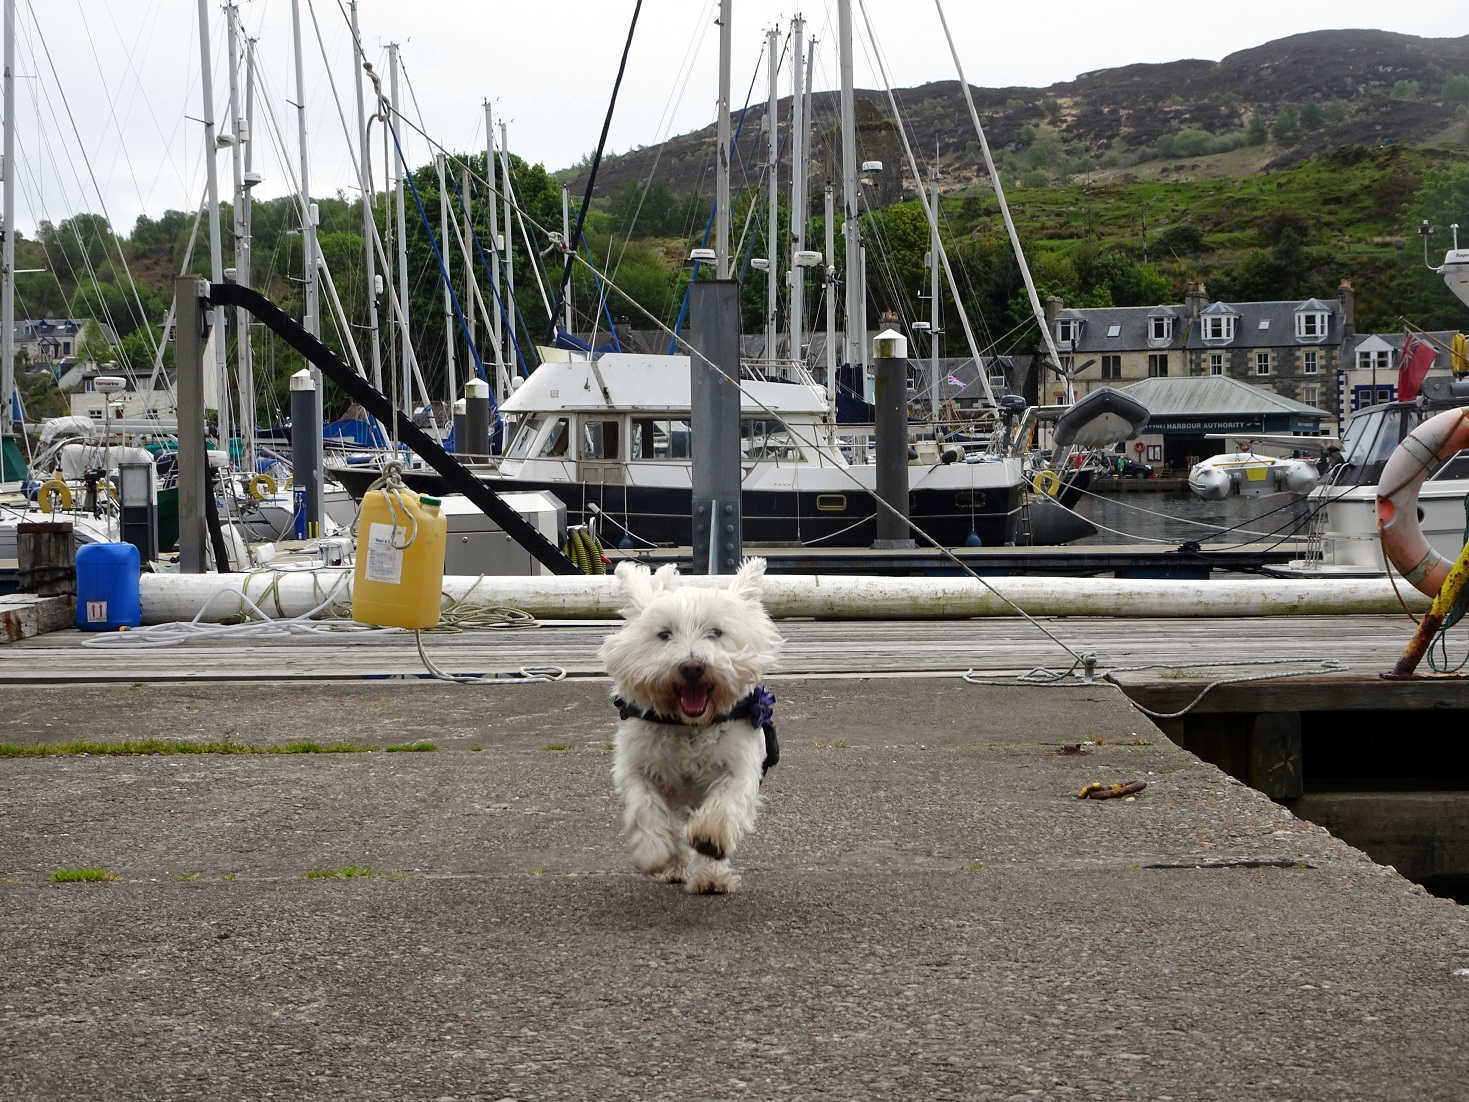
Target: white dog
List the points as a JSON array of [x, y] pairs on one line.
[[695, 736]]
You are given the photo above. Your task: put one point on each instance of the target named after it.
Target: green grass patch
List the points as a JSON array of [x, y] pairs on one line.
[[143, 747], [556, 746], [83, 876], [185, 878], [410, 748], [348, 873]]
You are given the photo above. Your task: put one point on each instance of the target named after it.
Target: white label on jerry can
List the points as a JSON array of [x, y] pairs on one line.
[[96, 612], [384, 561]]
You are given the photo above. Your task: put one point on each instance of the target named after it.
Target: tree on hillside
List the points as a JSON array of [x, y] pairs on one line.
[[149, 233], [1455, 88], [1311, 117], [78, 244], [1255, 132], [1285, 124]]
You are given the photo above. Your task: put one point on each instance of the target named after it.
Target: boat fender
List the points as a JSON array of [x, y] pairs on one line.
[[1046, 482], [261, 486], [1422, 452], [58, 491]]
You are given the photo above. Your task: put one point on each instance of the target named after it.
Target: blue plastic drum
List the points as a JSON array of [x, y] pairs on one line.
[[107, 587]]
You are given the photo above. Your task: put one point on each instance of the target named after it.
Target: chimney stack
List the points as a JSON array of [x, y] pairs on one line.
[[1348, 299], [1195, 298]]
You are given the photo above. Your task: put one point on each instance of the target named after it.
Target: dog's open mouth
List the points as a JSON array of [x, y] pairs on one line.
[[694, 700]]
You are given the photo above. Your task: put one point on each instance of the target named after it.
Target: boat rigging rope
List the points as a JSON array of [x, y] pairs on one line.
[[586, 202], [1084, 672]]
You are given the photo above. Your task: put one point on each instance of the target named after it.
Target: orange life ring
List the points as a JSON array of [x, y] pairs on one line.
[[1425, 450]]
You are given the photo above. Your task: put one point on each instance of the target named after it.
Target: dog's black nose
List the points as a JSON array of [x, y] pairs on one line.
[[691, 672]]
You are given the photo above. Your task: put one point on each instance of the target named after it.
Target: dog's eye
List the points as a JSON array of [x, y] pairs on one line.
[[665, 635], [715, 633]]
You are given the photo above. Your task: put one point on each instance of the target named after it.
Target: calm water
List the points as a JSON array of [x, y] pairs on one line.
[[1177, 516]]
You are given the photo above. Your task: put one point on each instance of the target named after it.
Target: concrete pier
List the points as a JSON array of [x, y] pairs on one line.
[[928, 909]]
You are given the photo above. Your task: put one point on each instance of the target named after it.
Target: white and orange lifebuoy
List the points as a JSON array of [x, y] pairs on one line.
[[1422, 452]]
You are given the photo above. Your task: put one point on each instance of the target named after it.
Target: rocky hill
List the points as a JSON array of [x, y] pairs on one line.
[[1291, 98]]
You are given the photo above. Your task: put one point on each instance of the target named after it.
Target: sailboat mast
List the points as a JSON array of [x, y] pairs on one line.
[[566, 237], [7, 295], [829, 209], [216, 261], [366, 191], [721, 193], [856, 338], [311, 322], [798, 171], [492, 175], [772, 250], [452, 379], [238, 136], [244, 260], [933, 308], [507, 245], [407, 357]]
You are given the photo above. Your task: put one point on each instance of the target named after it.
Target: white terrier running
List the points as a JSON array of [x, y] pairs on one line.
[[695, 737]]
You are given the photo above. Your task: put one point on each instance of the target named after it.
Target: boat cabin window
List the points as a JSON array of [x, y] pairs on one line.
[[1369, 439], [767, 438], [599, 439], [520, 446], [555, 440], [660, 438]]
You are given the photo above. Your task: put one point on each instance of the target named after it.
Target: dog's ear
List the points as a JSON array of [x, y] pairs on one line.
[[747, 582], [636, 584]]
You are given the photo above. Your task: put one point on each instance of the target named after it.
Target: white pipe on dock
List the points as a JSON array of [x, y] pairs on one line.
[[168, 598]]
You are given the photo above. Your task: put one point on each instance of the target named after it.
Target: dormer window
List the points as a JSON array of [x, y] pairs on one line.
[[1311, 325], [1160, 328], [1068, 330], [1219, 327]]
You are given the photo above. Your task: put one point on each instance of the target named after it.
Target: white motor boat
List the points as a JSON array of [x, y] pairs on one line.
[[610, 437]]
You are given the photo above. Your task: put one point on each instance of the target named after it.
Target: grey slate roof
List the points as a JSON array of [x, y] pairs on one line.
[[1281, 329], [1395, 340], [1133, 325], [1210, 395]]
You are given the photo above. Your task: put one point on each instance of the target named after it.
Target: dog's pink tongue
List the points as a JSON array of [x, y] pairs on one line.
[[694, 699]]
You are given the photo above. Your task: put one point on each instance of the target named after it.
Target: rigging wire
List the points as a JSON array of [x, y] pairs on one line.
[[665, 124], [141, 317], [581, 217]]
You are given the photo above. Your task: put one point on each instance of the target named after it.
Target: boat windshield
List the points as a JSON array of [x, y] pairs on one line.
[[1371, 437], [520, 446], [767, 438]]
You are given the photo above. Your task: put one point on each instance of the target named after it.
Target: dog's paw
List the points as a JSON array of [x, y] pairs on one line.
[[708, 847], [661, 867], [712, 881], [709, 835]]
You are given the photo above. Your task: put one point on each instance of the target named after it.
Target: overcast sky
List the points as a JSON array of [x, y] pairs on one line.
[[120, 79]]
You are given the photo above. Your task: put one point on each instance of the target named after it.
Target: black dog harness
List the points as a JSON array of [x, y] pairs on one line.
[[758, 707]]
